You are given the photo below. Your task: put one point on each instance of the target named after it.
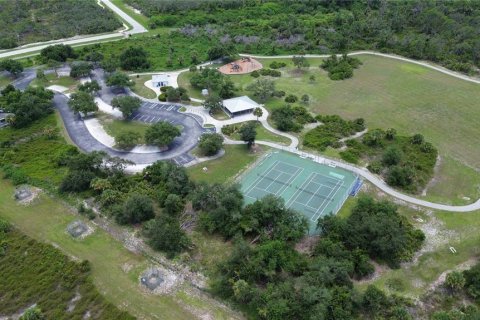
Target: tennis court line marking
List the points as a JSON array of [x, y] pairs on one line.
[[336, 190], [298, 192], [322, 205], [284, 185], [257, 181]]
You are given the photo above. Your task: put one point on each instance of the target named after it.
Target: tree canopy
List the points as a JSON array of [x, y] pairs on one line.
[[82, 102], [161, 134], [127, 105]]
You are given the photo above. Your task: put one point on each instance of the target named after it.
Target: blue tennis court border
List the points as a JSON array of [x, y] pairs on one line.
[[306, 186]]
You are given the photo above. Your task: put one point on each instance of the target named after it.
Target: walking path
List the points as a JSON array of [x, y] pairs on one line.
[[374, 53]]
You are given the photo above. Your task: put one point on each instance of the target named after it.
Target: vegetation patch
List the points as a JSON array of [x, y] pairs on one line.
[[36, 273], [23, 21], [340, 69], [331, 130], [232, 131]]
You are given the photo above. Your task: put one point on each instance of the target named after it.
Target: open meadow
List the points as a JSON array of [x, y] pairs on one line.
[[394, 94]]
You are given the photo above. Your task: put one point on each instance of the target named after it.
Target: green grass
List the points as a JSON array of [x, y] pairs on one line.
[[30, 274], [446, 229], [4, 80], [265, 135], [35, 155], [184, 82], [52, 79], [114, 127], [236, 159], [141, 89], [410, 98], [46, 219]]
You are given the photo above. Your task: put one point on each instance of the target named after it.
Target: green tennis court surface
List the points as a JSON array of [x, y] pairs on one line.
[[306, 186]]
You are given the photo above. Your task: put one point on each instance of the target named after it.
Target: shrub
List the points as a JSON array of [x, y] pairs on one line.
[[277, 65], [127, 139], [375, 167], [291, 98], [279, 94], [210, 143], [349, 156], [255, 74], [162, 97], [137, 208]]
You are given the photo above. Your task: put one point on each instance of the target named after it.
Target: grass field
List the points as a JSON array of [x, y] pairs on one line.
[[141, 89], [115, 270], [265, 135], [442, 230], [236, 159], [52, 79], [410, 98], [114, 126]]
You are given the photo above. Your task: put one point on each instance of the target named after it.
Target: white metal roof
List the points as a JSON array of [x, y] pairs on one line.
[[160, 78], [239, 104]]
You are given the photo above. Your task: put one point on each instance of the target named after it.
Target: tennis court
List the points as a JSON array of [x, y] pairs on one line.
[[306, 186]]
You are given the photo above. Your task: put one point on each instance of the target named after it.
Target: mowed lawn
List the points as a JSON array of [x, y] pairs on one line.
[[410, 98], [115, 270]]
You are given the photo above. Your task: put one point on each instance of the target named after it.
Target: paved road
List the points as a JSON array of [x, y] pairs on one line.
[[178, 150], [136, 28]]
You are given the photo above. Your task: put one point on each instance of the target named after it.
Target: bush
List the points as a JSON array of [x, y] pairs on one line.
[[255, 74], [127, 139], [279, 94], [277, 65], [291, 98], [162, 97], [349, 156], [164, 234], [137, 208], [339, 69], [375, 167]]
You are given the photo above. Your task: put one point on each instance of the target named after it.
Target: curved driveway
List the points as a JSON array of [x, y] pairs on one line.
[[177, 152]]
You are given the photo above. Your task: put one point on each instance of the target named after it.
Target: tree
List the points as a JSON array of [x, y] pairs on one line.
[[82, 102], [161, 134], [12, 66], [374, 300], [164, 234], [417, 139], [119, 79], [81, 69], [95, 57], [51, 63], [262, 88], [213, 103], [472, 281], [32, 314], [210, 143], [134, 58], [390, 134], [392, 156], [127, 139], [127, 105], [40, 74], [28, 106], [305, 99], [91, 87], [258, 112], [400, 176], [110, 65], [137, 208], [58, 52], [227, 88], [455, 281], [248, 133], [300, 62], [173, 204]]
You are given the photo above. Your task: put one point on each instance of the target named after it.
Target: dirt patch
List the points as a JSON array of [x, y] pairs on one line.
[[307, 244], [79, 229], [434, 180], [159, 280], [73, 302]]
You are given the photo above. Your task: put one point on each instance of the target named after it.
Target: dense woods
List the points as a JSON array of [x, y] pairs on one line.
[[27, 21], [442, 31]]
